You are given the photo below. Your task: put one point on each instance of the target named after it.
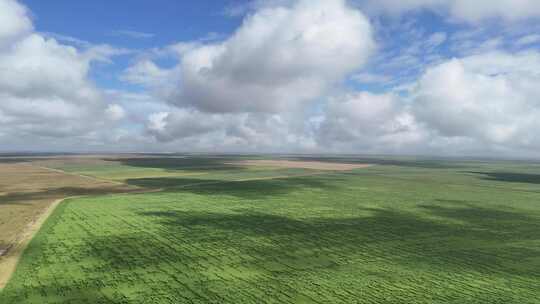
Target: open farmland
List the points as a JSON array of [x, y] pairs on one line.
[[221, 231], [27, 192]]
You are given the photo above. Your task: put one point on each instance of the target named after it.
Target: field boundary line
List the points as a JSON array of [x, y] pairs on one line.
[[9, 262], [10, 257], [79, 175]]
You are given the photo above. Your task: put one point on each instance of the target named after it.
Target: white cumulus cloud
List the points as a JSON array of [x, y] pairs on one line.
[[368, 122], [45, 91], [491, 98], [281, 57], [14, 20]]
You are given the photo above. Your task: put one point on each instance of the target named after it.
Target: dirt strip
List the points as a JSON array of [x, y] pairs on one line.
[[8, 263], [316, 165], [11, 257]]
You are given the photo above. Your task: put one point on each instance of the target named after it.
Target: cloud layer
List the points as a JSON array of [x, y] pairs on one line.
[[270, 80], [295, 76], [491, 97], [281, 57], [44, 87], [470, 11]]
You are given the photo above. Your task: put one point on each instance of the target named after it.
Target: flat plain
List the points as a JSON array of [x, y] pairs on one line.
[[27, 191], [222, 231]]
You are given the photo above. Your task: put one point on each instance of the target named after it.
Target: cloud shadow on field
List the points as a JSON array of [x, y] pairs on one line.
[[512, 225], [222, 162], [180, 163], [252, 189], [422, 163], [400, 237], [29, 197], [527, 178], [191, 244], [90, 292], [13, 160]]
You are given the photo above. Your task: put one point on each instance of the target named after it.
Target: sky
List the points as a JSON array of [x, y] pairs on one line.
[[408, 77]]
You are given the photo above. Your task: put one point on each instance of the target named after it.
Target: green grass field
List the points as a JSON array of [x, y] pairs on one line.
[[402, 231]]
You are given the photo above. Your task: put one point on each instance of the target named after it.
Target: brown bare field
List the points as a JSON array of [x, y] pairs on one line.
[[27, 192], [316, 165]]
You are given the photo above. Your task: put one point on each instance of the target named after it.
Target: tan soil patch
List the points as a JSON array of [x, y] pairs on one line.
[[316, 165], [9, 258]]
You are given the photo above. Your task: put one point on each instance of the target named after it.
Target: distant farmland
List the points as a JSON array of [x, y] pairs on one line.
[[223, 231]]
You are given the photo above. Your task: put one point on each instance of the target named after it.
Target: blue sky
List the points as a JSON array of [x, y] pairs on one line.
[[145, 25], [438, 77], [141, 26], [169, 21], [150, 24]]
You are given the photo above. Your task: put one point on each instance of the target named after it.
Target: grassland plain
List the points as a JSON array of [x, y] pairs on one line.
[[403, 231]]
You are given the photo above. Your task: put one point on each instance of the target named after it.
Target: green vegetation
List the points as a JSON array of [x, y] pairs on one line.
[[190, 169], [403, 231]]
